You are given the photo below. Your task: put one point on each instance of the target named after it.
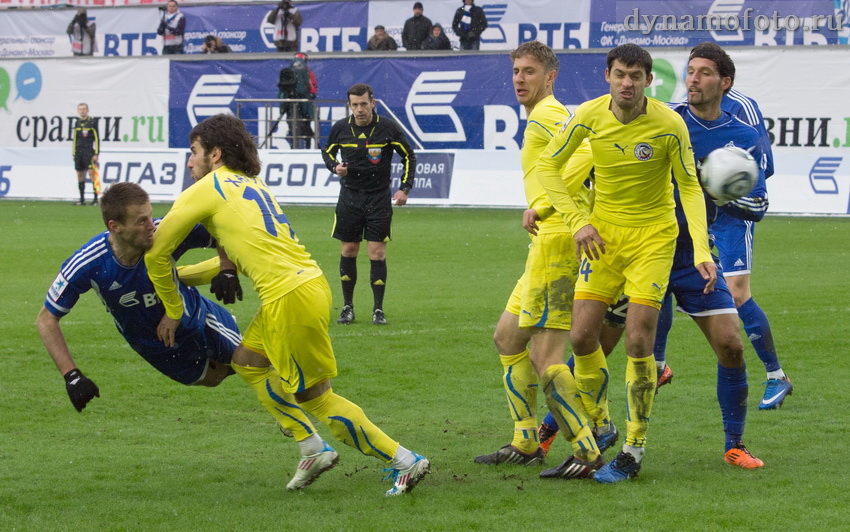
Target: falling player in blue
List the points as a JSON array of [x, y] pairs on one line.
[[734, 241], [111, 264]]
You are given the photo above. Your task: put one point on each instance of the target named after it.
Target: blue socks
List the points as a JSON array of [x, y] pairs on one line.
[[758, 331], [665, 323], [732, 395]]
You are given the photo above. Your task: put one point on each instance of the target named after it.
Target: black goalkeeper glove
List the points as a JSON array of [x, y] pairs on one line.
[[226, 286], [80, 388]]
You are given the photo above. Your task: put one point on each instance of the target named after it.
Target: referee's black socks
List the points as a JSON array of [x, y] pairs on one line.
[[348, 276], [82, 187], [378, 279]]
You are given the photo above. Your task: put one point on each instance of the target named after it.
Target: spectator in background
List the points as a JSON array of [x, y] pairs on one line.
[[381, 41], [437, 40], [214, 45], [469, 23], [82, 34], [172, 27], [298, 81], [287, 25], [416, 29]]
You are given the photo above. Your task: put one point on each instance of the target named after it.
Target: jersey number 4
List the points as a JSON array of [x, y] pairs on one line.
[[585, 269], [270, 210]]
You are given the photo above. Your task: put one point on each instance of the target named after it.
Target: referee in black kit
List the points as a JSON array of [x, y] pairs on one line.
[[360, 151]]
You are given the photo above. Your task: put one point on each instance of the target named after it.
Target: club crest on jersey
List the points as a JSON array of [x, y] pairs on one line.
[[643, 151], [58, 287], [374, 155]]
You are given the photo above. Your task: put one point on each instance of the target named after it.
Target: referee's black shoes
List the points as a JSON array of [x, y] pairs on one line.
[[378, 317], [346, 316]]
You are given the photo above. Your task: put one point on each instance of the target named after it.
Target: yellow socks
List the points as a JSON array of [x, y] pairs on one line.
[[350, 425], [520, 382], [591, 374], [561, 391], [266, 383], [640, 393]]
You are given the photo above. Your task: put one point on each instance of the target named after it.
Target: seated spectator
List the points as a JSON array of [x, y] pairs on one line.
[[416, 29], [214, 45], [437, 40], [381, 40]]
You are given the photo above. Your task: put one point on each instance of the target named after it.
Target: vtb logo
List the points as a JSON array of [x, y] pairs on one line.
[[429, 98], [719, 13], [494, 14], [822, 175], [212, 95]]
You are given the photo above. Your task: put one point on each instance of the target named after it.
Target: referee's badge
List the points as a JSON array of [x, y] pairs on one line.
[[643, 151], [374, 155]]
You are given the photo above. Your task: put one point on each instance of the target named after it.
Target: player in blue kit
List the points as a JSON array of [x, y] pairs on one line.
[[710, 74], [734, 241], [111, 265]]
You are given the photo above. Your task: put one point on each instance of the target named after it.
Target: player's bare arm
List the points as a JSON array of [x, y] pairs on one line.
[[589, 243], [54, 340]]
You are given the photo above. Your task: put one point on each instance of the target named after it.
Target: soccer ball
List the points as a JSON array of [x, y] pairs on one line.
[[729, 173]]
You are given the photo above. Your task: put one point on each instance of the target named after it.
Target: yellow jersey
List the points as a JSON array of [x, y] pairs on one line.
[[632, 163], [544, 121], [243, 216]]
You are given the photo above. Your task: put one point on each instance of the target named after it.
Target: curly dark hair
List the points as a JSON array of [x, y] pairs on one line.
[[116, 199], [630, 55], [713, 52], [228, 133]]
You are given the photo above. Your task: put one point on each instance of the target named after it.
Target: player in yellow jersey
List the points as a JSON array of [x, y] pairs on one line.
[[533, 331], [629, 238], [290, 330]]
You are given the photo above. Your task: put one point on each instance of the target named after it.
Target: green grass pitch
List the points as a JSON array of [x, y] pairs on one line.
[[150, 454]]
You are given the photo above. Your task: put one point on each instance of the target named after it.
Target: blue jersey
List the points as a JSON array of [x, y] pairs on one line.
[[707, 136], [129, 296], [748, 110]]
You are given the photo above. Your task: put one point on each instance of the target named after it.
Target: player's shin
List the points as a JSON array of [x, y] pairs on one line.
[[732, 395], [591, 375], [378, 280], [520, 382], [281, 405], [560, 389], [350, 425], [640, 393]]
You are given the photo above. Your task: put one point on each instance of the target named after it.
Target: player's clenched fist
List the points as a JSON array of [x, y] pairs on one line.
[[80, 388]]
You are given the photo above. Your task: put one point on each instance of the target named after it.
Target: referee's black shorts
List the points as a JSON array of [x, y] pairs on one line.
[[82, 159], [362, 215]]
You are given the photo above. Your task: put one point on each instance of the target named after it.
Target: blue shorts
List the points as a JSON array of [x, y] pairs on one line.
[[733, 239], [687, 285], [187, 362]]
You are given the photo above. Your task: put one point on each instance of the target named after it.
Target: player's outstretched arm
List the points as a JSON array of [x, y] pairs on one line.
[[80, 389]]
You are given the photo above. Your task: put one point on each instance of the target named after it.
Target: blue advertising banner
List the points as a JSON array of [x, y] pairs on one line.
[[727, 22], [463, 102], [327, 27]]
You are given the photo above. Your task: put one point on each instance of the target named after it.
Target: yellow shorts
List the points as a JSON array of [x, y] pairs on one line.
[[637, 263], [293, 333], [543, 296]]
